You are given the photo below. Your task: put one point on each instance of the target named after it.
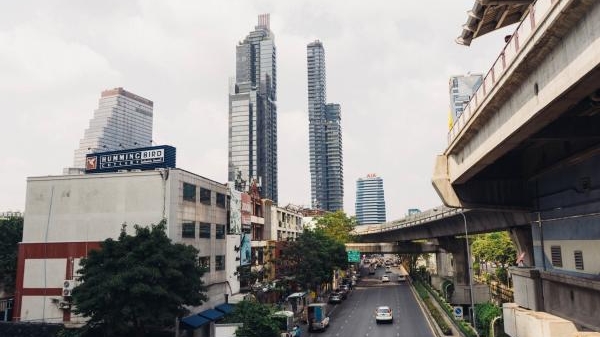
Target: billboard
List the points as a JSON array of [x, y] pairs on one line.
[[144, 158], [245, 250], [235, 210], [246, 211]]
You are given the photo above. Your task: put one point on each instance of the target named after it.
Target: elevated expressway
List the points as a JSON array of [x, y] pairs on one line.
[[526, 150]]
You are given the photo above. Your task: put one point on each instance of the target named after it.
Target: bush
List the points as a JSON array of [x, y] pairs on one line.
[[485, 313], [423, 293]]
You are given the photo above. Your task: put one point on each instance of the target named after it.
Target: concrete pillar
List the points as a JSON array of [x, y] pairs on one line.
[[522, 238], [458, 248]]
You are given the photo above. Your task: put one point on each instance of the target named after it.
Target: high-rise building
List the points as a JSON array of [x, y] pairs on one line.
[[253, 113], [462, 88], [123, 120], [325, 136], [370, 200]]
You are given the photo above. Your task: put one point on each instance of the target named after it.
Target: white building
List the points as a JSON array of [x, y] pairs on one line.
[[67, 216], [123, 120]]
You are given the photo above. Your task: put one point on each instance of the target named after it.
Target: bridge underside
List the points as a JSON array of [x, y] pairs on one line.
[[393, 247]]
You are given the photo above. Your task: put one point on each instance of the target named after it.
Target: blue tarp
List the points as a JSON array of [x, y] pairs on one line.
[[194, 322], [212, 314], [225, 307]]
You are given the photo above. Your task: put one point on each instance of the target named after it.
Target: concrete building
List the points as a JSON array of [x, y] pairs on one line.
[[325, 136], [67, 216], [370, 200], [253, 113], [123, 120], [461, 89]]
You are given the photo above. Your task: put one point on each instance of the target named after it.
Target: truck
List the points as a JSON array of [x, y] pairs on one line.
[[372, 269], [318, 318], [285, 321]]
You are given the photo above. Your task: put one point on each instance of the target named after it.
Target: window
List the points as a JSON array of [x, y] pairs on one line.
[[204, 262], [220, 231], [578, 259], [556, 256], [204, 196], [204, 230], [221, 200], [220, 262], [189, 192], [188, 230]]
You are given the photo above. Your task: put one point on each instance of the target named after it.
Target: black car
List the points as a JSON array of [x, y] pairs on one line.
[[335, 298]]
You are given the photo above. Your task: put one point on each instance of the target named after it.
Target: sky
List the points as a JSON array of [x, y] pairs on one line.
[[387, 64]]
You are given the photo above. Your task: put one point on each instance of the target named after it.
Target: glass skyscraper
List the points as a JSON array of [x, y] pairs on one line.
[[370, 200], [253, 112], [461, 90], [325, 136], [123, 120]]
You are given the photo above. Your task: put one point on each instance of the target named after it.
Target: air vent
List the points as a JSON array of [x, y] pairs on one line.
[[556, 256], [578, 259]]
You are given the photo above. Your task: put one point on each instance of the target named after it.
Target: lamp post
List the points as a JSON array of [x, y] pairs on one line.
[[470, 269]]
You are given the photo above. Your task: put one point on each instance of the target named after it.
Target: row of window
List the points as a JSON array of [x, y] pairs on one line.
[[188, 230], [556, 255], [189, 194], [219, 262]]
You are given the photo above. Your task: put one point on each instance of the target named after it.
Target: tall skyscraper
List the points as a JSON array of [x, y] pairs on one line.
[[123, 120], [462, 88], [325, 136], [370, 200], [253, 112]]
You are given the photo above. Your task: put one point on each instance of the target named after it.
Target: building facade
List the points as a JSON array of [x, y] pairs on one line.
[[461, 89], [67, 216], [370, 200], [123, 120], [253, 113], [325, 136]]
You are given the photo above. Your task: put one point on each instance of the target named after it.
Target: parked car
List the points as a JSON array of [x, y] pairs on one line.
[[384, 314], [335, 298], [385, 278]]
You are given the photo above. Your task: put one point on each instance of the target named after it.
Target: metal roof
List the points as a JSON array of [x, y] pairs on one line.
[[489, 15]]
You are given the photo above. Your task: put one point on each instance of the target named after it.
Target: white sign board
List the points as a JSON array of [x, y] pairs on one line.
[[458, 313]]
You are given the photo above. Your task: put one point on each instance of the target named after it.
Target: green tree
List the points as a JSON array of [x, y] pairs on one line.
[[312, 258], [497, 248], [256, 318], [337, 226], [140, 282], [11, 233]]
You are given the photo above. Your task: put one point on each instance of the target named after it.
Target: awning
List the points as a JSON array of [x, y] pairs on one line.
[[212, 314], [194, 322], [225, 308]]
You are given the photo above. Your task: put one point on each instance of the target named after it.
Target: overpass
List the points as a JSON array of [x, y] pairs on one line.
[[524, 155]]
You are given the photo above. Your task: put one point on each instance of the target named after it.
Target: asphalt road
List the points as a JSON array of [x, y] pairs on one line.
[[355, 316]]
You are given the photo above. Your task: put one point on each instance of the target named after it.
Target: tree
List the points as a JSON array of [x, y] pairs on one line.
[[498, 248], [312, 258], [337, 226], [140, 281], [256, 318], [11, 233]]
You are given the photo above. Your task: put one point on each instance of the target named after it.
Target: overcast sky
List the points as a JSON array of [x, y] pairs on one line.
[[388, 64]]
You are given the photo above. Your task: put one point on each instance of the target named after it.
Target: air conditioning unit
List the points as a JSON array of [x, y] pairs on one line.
[[68, 286], [64, 305]]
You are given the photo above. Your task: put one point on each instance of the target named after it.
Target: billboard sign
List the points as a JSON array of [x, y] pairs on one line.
[[246, 211], [353, 256], [235, 210], [144, 158], [245, 250]]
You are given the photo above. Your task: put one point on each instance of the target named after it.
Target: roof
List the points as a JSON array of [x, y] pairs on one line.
[[226, 308], [489, 15], [212, 314], [194, 322]]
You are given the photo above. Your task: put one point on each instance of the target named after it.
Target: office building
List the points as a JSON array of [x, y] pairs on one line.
[[123, 120], [370, 200], [462, 88], [325, 136], [253, 113]]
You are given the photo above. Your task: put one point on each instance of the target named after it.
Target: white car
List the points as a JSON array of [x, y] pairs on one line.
[[401, 278], [388, 269], [385, 278], [384, 314]]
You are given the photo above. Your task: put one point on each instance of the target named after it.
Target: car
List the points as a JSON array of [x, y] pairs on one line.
[[401, 278], [385, 278], [388, 269], [384, 314], [335, 298]]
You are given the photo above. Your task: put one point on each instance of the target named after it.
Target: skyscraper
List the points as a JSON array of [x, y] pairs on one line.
[[462, 88], [123, 120], [253, 112], [370, 200], [325, 136]]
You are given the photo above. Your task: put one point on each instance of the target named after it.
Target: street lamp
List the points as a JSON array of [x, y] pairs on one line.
[[462, 212]]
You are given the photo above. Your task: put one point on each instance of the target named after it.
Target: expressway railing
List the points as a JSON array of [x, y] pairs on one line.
[[519, 39]]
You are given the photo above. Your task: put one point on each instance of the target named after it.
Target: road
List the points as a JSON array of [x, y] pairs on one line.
[[355, 316]]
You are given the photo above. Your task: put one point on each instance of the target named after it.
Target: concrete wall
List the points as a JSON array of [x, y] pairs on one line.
[[520, 322]]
